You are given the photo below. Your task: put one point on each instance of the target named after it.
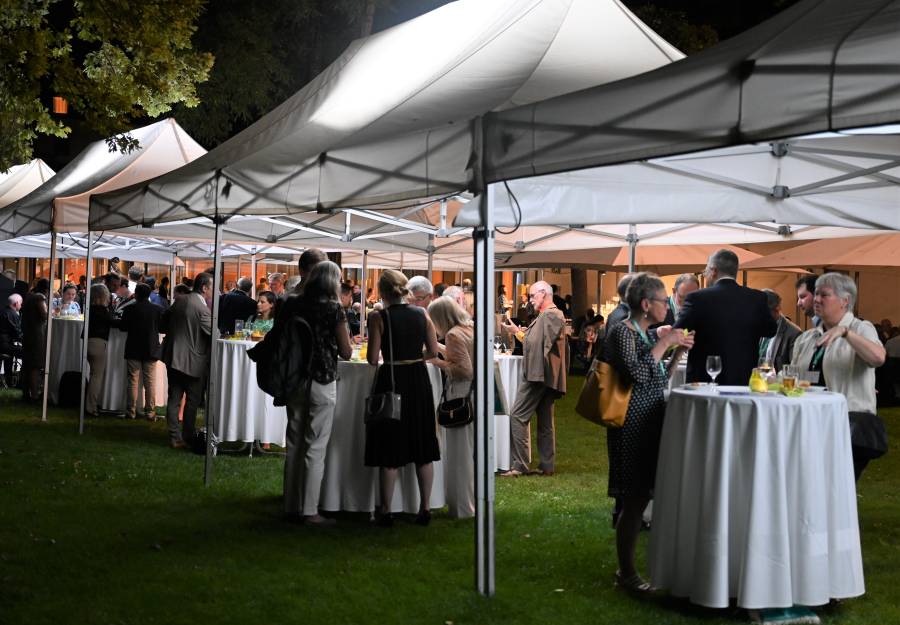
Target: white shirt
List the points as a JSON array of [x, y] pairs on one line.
[[845, 372]]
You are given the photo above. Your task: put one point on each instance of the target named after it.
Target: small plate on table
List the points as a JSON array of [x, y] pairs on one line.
[[693, 386]]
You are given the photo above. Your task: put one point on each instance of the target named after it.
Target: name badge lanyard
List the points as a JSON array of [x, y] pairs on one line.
[[646, 339]]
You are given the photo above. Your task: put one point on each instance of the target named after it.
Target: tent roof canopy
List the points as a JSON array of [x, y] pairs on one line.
[[20, 180], [819, 65], [61, 203], [881, 250], [390, 119]]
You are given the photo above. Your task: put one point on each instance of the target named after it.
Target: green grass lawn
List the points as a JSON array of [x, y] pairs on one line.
[[113, 527]]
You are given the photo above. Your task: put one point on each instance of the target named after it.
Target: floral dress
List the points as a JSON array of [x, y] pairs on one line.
[[633, 448]]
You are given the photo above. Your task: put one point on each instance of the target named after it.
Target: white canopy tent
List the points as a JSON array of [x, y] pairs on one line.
[[20, 180], [386, 124]]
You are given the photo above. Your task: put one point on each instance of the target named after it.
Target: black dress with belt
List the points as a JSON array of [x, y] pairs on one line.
[[414, 437]]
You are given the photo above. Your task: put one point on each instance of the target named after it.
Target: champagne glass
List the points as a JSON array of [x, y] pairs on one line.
[[497, 342], [713, 368]]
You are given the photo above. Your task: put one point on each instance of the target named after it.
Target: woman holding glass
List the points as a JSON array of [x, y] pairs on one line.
[[636, 352], [842, 353]]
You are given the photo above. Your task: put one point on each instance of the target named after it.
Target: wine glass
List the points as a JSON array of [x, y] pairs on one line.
[[497, 342], [239, 327], [713, 368]]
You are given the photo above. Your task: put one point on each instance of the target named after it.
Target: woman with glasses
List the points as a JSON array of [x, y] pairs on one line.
[[635, 351]]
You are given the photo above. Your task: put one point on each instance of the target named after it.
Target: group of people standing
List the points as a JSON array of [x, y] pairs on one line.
[[740, 325]]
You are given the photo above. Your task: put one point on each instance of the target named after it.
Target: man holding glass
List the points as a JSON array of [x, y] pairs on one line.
[[729, 321]]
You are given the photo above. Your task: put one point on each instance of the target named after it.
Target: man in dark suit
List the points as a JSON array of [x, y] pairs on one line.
[[10, 334], [188, 327], [729, 320], [142, 349], [236, 305], [778, 349]]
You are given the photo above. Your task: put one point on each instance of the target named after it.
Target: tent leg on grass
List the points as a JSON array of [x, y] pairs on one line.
[[484, 398], [212, 389], [89, 275], [46, 372]]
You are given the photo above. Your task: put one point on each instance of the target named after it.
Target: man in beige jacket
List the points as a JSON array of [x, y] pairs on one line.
[[544, 365]]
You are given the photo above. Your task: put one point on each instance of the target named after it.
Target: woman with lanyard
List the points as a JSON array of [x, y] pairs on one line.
[[842, 354], [636, 352]]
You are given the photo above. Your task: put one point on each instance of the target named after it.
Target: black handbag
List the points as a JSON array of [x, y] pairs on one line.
[[455, 413], [382, 407], [867, 435]]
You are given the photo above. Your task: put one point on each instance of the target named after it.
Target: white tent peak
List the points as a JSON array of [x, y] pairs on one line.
[[415, 87], [163, 145], [20, 180]]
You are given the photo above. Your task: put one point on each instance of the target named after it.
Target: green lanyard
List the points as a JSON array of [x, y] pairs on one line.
[[636, 326], [815, 363]]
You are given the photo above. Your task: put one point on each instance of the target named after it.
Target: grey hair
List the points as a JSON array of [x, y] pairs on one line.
[[99, 295], [10, 273], [323, 282], [622, 286], [686, 277], [420, 285], [773, 299], [135, 273], [14, 299], [643, 285], [276, 276], [725, 262], [842, 285], [245, 285]]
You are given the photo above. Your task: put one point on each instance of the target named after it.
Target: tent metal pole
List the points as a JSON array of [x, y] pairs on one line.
[[517, 281], [172, 278], [632, 246], [484, 397], [212, 391], [401, 262], [253, 273], [431, 258], [85, 331], [364, 293], [45, 374]]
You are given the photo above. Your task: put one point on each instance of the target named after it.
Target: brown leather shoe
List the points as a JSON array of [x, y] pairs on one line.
[[178, 444], [510, 473]]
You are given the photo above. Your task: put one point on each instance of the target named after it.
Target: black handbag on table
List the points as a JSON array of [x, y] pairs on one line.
[[382, 407], [455, 413]]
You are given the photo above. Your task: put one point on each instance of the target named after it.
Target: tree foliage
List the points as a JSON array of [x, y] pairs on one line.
[[114, 61]]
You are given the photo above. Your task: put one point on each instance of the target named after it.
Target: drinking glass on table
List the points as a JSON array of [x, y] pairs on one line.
[[790, 375], [713, 368], [239, 327], [497, 342], [765, 366]]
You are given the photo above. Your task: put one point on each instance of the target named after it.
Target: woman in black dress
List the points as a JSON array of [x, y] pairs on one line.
[[636, 353], [405, 338]]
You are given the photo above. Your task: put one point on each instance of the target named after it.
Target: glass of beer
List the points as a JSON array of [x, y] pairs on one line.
[[789, 377]]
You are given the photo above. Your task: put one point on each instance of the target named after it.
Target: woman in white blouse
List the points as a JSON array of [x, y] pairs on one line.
[[456, 359], [843, 353]]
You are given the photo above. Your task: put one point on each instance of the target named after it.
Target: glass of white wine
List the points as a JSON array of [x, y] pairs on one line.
[[713, 368]]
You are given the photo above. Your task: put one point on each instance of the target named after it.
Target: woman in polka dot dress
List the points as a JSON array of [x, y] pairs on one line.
[[636, 353]]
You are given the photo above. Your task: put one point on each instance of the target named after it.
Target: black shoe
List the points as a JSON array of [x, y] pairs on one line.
[[385, 520], [423, 518]]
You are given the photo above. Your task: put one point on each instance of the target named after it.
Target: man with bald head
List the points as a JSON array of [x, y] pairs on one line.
[[544, 364]]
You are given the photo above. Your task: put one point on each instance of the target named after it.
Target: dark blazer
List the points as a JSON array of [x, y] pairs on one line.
[[232, 306], [188, 327], [141, 321], [729, 320], [784, 342], [10, 329]]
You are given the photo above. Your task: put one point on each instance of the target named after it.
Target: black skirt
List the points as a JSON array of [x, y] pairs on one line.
[[413, 438]]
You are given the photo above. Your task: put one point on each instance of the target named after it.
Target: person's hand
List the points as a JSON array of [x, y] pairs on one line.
[[512, 326], [681, 339], [663, 331], [832, 335], [358, 339]]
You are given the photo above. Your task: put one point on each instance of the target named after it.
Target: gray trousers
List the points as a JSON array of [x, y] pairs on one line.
[[533, 397], [308, 432]]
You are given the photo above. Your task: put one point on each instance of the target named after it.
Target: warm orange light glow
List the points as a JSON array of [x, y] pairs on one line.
[[60, 105]]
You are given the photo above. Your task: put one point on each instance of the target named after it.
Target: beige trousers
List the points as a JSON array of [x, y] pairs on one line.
[[145, 371], [308, 432]]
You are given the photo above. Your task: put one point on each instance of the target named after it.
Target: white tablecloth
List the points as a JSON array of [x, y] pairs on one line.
[[65, 355], [508, 370], [65, 352], [755, 499], [247, 414]]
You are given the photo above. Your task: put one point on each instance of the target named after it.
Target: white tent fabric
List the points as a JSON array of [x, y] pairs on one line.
[[20, 180], [819, 65], [851, 181], [61, 203], [389, 120]]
